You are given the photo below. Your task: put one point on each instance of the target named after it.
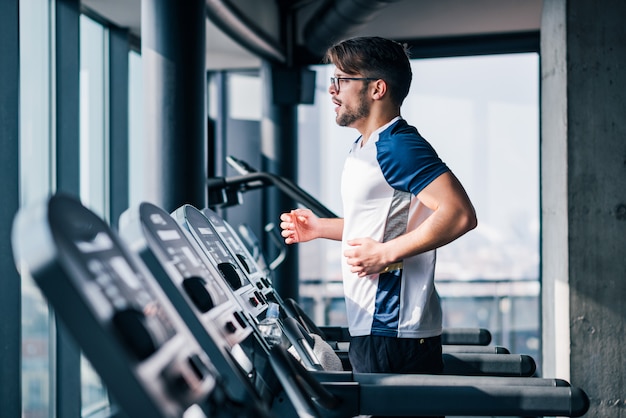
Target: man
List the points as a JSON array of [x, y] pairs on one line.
[[400, 203]]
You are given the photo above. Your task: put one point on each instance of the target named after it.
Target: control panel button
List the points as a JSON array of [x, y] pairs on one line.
[[131, 324], [230, 327], [229, 273], [239, 317], [198, 366], [243, 262], [195, 287], [260, 297]]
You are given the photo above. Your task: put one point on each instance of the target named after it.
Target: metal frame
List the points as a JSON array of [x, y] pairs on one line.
[[118, 122], [461, 46], [66, 64], [10, 298]]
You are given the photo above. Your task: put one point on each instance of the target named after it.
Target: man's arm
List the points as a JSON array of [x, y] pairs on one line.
[[453, 215]]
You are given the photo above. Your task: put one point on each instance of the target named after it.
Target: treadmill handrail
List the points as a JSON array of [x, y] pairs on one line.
[[260, 179]]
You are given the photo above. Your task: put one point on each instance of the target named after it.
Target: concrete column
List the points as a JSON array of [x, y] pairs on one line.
[[583, 57], [173, 59]]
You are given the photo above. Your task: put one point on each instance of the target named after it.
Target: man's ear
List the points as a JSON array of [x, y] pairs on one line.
[[379, 89]]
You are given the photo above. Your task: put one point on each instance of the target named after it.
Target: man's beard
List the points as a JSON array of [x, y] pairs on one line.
[[348, 117]]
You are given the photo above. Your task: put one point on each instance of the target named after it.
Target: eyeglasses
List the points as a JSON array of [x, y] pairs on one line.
[[335, 80]]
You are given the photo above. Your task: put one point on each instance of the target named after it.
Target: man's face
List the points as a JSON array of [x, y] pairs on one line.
[[351, 100]]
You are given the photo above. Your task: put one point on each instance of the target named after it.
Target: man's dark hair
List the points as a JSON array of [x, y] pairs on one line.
[[377, 58]]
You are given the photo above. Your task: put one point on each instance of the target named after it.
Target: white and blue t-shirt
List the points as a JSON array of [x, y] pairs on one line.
[[379, 184]]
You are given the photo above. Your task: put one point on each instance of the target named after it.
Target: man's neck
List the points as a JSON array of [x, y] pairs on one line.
[[371, 124]]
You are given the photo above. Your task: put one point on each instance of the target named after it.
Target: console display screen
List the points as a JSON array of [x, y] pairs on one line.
[[173, 246]]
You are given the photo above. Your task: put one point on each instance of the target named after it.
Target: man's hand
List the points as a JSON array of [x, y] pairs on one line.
[[366, 256], [299, 225]]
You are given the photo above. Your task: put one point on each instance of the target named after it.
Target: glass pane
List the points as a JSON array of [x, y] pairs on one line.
[[135, 129], [93, 162], [244, 95], [93, 119], [94, 396], [35, 180], [481, 114]]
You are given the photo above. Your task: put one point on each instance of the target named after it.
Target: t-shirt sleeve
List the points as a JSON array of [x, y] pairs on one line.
[[408, 162]]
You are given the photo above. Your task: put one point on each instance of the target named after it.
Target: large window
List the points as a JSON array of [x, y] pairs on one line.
[[38, 165], [482, 116]]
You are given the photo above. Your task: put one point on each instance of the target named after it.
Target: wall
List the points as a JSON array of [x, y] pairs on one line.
[[584, 198]]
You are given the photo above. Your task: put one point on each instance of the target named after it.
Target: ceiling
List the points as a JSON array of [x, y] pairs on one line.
[[413, 20]]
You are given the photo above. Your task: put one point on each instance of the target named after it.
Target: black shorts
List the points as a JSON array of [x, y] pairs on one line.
[[377, 354]]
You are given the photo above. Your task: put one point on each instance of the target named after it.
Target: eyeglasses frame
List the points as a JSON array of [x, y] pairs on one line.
[[334, 81]]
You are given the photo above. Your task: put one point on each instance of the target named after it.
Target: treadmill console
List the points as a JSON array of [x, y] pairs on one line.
[[248, 295], [233, 242]]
